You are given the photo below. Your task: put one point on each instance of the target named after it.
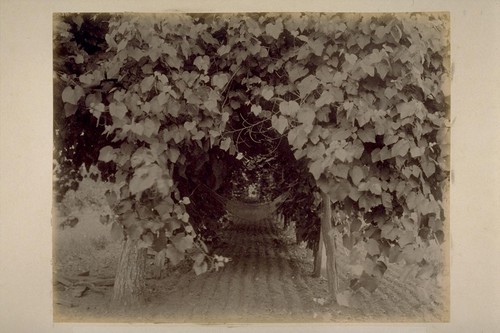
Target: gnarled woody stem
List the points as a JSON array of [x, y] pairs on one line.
[[130, 283], [329, 241]]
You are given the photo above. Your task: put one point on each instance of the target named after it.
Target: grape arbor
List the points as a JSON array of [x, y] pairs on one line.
[[359, 102]]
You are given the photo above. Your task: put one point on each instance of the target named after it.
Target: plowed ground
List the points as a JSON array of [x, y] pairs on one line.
[[267, 280]]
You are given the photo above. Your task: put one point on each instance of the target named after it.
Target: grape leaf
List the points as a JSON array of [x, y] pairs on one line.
[[200, 268], [406, 109], [412, 254], [356, 148], [297, 137], [367, 134], [267, 92], [256, 109], [339, 134], [107, 154], [307, 85], [117, 110], [368, 68], [306, 116], [147, 83], [375, 186], [70, 109], [339, 78], [199, 258], [400, 148], [174, 255], [390, 92], [340, 170], [296, 71], [142, 156], [385, 154], [144, 178], [317, 46], [387, 200], [87, 79], [279, 123], [390, 139], [382, 69], [151, 127], [429, 168], [289, 108], [381, 31], [363, 40], [304, 52], [372, 247], [182, 242], [364, 116], [220, 80], [405, 238], [202, 63], [148, 238], [340, 191], [190, 125], [274, 29], [396, 33], [72, 95], [134, 231], [325, 99], [173, 154], [138, 128], [225, 144], [172, 224], [341, 154], [316, 168], [224, 49], [324, 74], [356, 174], [351, 58]]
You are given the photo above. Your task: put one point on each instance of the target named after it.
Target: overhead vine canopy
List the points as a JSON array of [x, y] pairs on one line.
[[361, 99]]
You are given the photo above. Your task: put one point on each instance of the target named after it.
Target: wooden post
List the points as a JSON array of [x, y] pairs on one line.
[[329, 241]]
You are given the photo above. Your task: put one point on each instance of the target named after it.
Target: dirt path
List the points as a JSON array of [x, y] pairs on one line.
[[261, 283]]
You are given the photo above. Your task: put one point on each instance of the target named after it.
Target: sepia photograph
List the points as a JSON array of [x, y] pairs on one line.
[[251, 167]]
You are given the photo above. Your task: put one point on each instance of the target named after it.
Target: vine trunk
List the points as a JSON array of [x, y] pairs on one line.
[[130, 284], [329, 241]]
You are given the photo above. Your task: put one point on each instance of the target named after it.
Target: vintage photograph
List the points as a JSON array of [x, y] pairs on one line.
[[251, 167]]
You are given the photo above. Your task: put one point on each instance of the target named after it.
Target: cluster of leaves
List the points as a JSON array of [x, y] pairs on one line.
[[368, 109], [78, 136], [362, 99]]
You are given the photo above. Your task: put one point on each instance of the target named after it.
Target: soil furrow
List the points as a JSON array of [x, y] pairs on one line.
[[235, 271]]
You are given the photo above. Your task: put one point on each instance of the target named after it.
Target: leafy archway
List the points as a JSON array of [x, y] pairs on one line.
[[362, 100]]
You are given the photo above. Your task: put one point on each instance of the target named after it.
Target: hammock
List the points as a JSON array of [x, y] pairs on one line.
[[246, 211]]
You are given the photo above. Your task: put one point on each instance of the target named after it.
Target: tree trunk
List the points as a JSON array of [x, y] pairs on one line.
[[329, 241], [130, 283], [319, 258]]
